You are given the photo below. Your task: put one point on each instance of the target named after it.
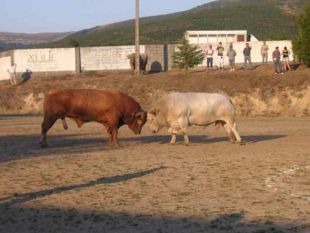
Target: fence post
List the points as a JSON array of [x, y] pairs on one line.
[[78, 60]]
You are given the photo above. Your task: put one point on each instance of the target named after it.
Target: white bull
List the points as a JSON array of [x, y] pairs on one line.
[[178, 110]]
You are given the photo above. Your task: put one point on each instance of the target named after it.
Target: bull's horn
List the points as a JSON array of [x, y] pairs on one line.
[[139, 114]]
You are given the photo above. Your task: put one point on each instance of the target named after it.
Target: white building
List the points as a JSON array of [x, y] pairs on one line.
[[237, 38], [206, 37]]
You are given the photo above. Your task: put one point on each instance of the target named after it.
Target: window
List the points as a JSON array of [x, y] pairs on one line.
[[240, 38]]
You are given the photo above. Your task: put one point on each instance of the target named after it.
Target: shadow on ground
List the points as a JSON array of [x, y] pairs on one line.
[[21, 146], [25, 197], [20, 219], [162, 139]]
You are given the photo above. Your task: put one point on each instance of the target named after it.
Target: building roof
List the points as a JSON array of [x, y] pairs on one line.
[[206, 32]]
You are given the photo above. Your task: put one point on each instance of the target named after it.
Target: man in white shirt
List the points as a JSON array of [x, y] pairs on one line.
[[264, 52], [12, 72], [209, 54]]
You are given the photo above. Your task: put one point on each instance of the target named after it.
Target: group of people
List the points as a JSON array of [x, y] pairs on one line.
[[276, 57], [231, 54]]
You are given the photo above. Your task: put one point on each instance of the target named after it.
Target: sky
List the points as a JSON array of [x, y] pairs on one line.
[[34, 16]]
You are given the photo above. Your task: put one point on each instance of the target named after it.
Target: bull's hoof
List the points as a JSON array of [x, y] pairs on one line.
[[242, 143], [114, 145], [43, 144], [186, 144]]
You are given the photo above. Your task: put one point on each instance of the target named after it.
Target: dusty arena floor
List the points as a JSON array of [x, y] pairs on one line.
[[79, 184]]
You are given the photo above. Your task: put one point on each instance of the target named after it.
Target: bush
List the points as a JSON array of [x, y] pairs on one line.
[[74, 43], [301, 43], [187, 55]]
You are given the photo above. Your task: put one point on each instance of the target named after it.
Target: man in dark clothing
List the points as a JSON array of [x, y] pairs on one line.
[[276, 56], [247, 55], [220, 54]]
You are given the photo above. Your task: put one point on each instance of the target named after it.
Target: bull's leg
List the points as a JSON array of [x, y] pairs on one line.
[[186, 139], [114, 137], [112, 131], [64, 123], [230, 133], [47, 123], [231, 129], [184, 128], [234, 130], [173, 138]]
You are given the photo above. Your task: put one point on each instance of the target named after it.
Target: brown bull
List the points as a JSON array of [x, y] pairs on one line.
[[112, 109]]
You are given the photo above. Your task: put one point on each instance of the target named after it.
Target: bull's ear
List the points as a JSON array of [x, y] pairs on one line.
[[154, 111]]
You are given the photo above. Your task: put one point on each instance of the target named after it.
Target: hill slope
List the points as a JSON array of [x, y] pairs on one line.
[[266, 19], [9, 40]]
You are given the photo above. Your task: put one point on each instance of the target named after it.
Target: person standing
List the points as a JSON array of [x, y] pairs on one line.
[[220, 55], [231, 53], [247, 55], [285, 59], [276, 56], [264, 52], [209, 54], [12, 72]]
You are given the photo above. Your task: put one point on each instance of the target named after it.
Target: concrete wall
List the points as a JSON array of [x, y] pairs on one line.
[[156, 58], [160, 57], [255, 52], [64, 60], [106, 58], [5, 63], [45, 60]]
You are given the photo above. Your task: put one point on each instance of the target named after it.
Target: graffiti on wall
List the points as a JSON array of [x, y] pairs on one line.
[[45, 60]]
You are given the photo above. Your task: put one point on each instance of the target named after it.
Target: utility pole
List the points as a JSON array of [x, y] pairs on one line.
[[137, 41]]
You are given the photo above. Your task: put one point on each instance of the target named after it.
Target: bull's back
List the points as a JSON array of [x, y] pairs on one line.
[[87, 105], [199, 108]]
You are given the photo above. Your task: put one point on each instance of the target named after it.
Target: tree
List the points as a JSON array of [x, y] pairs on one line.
[[74, 43], [187, 55], [301, 43]]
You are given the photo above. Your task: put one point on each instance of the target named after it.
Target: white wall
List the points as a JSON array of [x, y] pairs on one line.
[[5, 63], [45, 60], [255, 52], [110, 57], [107, 58]]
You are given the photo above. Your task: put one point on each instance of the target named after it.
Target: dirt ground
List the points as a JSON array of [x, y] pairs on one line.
[[79, 184]]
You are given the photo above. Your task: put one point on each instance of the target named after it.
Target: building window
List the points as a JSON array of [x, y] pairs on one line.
[[240, 38]]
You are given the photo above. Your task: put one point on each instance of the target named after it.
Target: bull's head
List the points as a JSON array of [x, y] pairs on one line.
[[137, 121], [152, 120]]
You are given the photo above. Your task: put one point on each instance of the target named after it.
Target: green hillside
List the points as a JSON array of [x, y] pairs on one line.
[[266, 19]]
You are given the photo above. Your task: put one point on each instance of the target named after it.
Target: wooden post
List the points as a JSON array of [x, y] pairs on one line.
[[78, 60], [137, 41]]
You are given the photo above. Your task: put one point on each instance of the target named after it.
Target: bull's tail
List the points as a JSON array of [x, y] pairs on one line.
[[64, 123]]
